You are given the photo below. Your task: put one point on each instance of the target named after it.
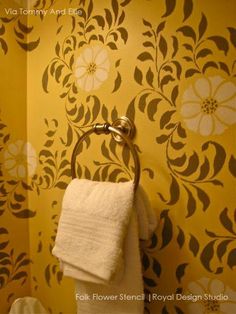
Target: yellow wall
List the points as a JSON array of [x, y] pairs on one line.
[[168, 65], [14, 236]]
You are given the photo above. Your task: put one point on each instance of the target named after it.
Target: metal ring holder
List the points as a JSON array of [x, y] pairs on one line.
[[122, 131]]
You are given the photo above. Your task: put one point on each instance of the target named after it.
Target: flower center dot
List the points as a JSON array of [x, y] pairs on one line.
[[209, 105], [211, 306], [20, 158], [92, 68]]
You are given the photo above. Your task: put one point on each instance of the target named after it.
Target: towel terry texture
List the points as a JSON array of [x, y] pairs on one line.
[[97, 244]]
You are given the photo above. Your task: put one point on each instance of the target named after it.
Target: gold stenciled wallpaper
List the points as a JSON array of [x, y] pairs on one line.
[[168, 65]]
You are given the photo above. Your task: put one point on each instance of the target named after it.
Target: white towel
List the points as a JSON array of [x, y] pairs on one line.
[[147, 219], [97, 244]]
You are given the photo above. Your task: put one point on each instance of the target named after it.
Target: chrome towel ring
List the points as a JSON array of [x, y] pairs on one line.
[[122, 131]]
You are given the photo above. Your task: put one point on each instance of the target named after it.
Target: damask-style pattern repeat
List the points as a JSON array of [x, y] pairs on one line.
[[170, 66]]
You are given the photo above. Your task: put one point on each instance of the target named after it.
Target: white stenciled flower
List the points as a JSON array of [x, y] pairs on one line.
[[213, 297], [209, 105], [92, 67], [20, 159]]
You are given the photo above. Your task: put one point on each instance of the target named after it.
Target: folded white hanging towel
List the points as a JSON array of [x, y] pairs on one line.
[[147, 219], [97, 244]]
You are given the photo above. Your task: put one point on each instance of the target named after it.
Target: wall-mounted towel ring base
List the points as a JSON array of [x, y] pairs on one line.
[[126, 126], [122, 131]]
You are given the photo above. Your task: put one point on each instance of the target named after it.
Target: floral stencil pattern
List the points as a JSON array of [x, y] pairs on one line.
[[214, 297], [20, 159], [91, 68], [209, 105]]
